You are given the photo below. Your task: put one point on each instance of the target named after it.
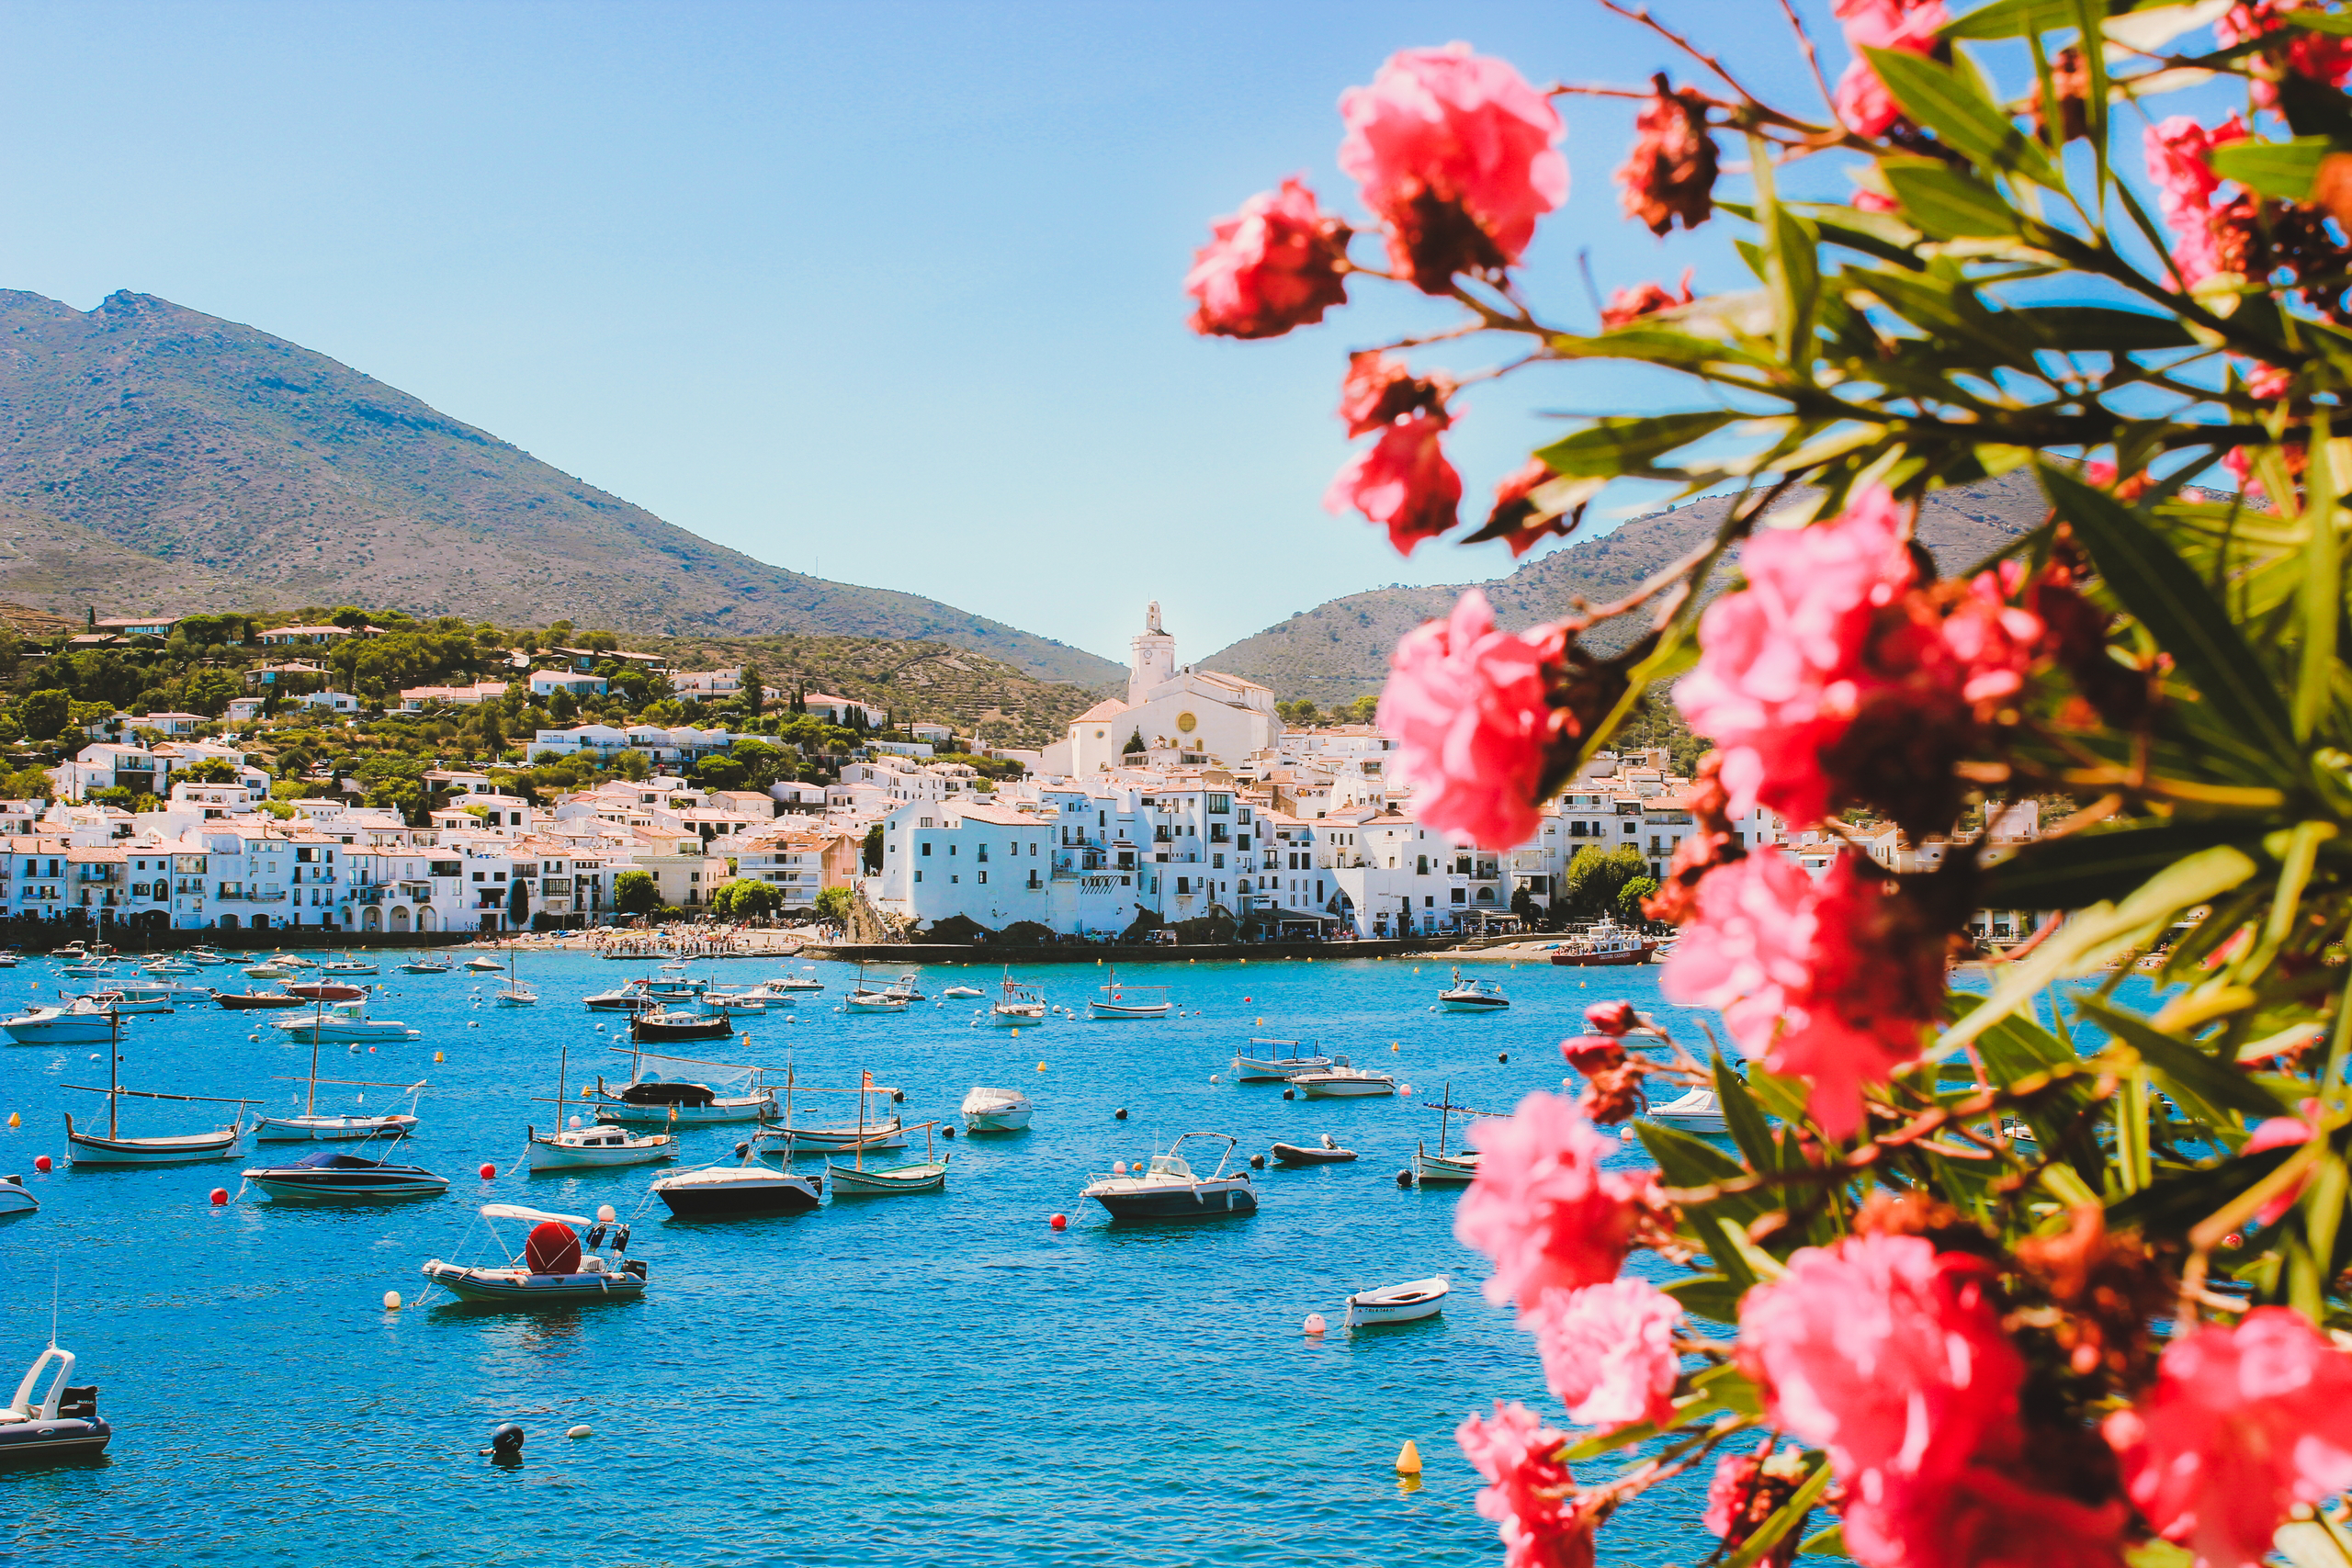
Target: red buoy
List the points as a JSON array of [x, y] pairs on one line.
[[41, 1162], [489, 1171], [1059, 1221], [220, 1196]]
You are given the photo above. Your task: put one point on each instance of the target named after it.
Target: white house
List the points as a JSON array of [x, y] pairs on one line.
[[547, 682], [333, 702]]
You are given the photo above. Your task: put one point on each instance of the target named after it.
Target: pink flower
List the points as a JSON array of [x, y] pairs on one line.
[[1609, 1351], [1748, 1489], [2179, 163], [1670, 173], [1890, 1356], [2320, 57], [1402, 480], [2280, 1132], [1627, 306], [1469, 708], [1457, 156], [2243, 1424], [1529, 1489], [1519, 519], [1833, 676], [1542, 1208], [1275, 264], [1834, 979], [1984, 1517], [1378, 388], [1907, 25], [1612, 1018]]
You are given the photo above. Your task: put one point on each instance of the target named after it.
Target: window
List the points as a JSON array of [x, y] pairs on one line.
[[918, 876], [984, 876], [926, 848], [1183, 885], [1220, 805], [1629, 828]]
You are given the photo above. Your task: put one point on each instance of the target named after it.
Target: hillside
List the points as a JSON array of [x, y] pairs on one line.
[[915, 680], [1338, 650], [156, 459]]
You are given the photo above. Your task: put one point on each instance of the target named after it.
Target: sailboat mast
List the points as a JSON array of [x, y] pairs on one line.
[[114, 1060], [864, 1078], [310, 1105]]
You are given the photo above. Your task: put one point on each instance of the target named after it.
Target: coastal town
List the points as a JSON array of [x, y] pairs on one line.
[[1187, 806]]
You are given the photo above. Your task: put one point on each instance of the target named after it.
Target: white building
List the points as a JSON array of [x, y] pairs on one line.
[[1190, 717]]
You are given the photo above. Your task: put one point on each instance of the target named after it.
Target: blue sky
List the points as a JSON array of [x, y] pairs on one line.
[[886, 292]]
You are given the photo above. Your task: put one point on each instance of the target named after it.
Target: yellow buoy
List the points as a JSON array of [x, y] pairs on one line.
[[1259, 1024], [1409, 1459], [436, 1055], [1041, 1066]]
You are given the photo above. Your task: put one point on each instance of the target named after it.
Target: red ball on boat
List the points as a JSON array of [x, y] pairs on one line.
[[1059, 1221], [488, 1171], [220, 1196]]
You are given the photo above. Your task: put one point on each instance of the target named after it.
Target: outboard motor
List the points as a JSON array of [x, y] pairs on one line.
[[595, 1238], [620, 1238]]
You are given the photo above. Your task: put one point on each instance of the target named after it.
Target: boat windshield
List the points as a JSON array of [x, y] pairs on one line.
[[1169, 1164]]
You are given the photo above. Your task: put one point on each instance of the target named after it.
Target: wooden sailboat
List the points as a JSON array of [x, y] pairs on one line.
[[599, 1142], [311, 1127], [515, 994], [1443, 1169], [115, 1149], [927, 1175]]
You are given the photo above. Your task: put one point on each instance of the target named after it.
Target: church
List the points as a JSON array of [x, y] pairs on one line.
[[1179, 714]]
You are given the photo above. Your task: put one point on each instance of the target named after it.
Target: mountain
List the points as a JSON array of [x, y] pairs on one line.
[[156, 459], [1338, 650]]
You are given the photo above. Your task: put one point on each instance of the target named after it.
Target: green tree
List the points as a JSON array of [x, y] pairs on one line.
[[632, 764], [518, 902], [210, 692], [27, 783], [1597, 877], [754, 694], [636, 893], [1628, 907], [872, 849], [561, 707], [44, 714], [209, 770], [833, 903], [746, 898], [1134, 746], [720, 772]]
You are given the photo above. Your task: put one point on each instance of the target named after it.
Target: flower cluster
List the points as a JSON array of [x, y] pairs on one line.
[[1470, 708], [1277, 263], [1906, 27], [2323, 58]]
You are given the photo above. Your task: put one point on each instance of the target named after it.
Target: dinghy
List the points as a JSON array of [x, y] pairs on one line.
[[14, 1199], [926, 1175], [1408, 1302], [62, 1424], [557, 1266], [1327, 1152], [996, 1110]]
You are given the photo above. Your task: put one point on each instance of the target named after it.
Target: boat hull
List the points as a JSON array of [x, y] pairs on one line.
[[331, 1129], [1446, 1171], [1011, 1119], [1291, 1153], [1185, 1202], [1402, 1303], [52, 1442], [511, 1287], [1017, 1018], [828, 1139], [850, 1182], [69, 1030], [736, 1199], [1604, 960], [1119, 1010], [307, 1185], [1464, 1004], [718, 1114], [87, 1148], [1343, 1088], [546, 1153], [252, 1001]]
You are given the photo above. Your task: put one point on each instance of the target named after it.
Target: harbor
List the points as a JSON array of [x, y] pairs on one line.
[[940, 1375]]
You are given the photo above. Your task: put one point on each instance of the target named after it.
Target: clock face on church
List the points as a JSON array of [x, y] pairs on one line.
[[1186, 723]]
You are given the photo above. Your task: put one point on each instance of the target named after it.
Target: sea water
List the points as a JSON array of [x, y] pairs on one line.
[[913, 1378]]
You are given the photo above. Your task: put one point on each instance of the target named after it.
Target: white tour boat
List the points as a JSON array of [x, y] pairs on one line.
[[996, 1110]]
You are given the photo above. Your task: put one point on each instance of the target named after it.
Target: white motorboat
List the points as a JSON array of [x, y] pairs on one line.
[[206, 956], [1472, 996], [745, 1188], [331, 1174], [344, 1023], [805, 981], [484, 966], [996, 1110], [83, 1022], [90, 1148], [62, 1424], [877, 1001], [1695, 1111], [423, 967], [557, 1266], [346, 965], [15, 1199], [334, 1127], [130, 1000], [86, 971], [293, 961], [734, 1001], [1341, 1081], [170, 966], [269, 972], [588, 1145], [963, 991], [1408, 1302], [1275, 1060], [1167, 1188], [1117, 1001], [632, 996]]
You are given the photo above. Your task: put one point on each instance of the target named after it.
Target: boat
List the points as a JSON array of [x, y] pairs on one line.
[[83, 1022], [630, 998], [805, 981], [746, 1188], [168, 988], [996, 1111], [61, 1425], [1341, 1081], [657, 1101], [899, 996], [961, 991], [330, 1173], [856, 1181], [482, 964], [14, 1199], [1408, 1302], [326, 990], [875, 1129], [130, 1000], [1327, 1152], [559, 1266], [1129, 1001], [10, 959], [1606, 945], [1696, 1111], [89, 1148], [344, 1023], [515, 994], [1167, 1188], [734, 1001], [267, 972], [337, 1127], [170, 966], [348, 964], [206, 956], [1472, 996], [1260, 1065], [86, 971], [423, 967], [249, 1001], [597, 1144], [1016, 1004], [1442, 1169], [663, 1025], [293, 961]]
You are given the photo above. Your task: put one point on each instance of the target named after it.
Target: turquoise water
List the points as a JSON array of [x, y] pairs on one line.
[[931, 1379]]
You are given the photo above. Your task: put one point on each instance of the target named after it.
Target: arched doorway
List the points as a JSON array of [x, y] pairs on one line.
[[261, 922], [399, 916], [227, 922], [425, 920], [370, 919]]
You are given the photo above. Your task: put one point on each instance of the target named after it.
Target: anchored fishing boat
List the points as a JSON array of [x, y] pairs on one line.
[[423, 967], [663, 1026], [1341, 1081], [515, 994], [805, 981], [131, 999], [1472, 996], [650, 1100], [1275, 1060], [559, 1265], [89, 1148], [249, 1001], [326, 990], [856, 1180], [595, 1145], [1117, 1001], [1168, 1189], [1440, 1169], [874, 1126], [1015, 1005], [1408, 1302], [337, 1127], [996, 1111]]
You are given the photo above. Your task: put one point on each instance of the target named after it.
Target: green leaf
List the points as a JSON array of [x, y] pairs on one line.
[[1710, 1296], [2157, 588], [2287, 170], [2221, 1086], [1613, 447], [1788, 1516], [1948, 103], [2322, 584], [2093, 865], [1831, 1542], [1744, 1117], [1792, 276], [2102, 329], [1944, 203]]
